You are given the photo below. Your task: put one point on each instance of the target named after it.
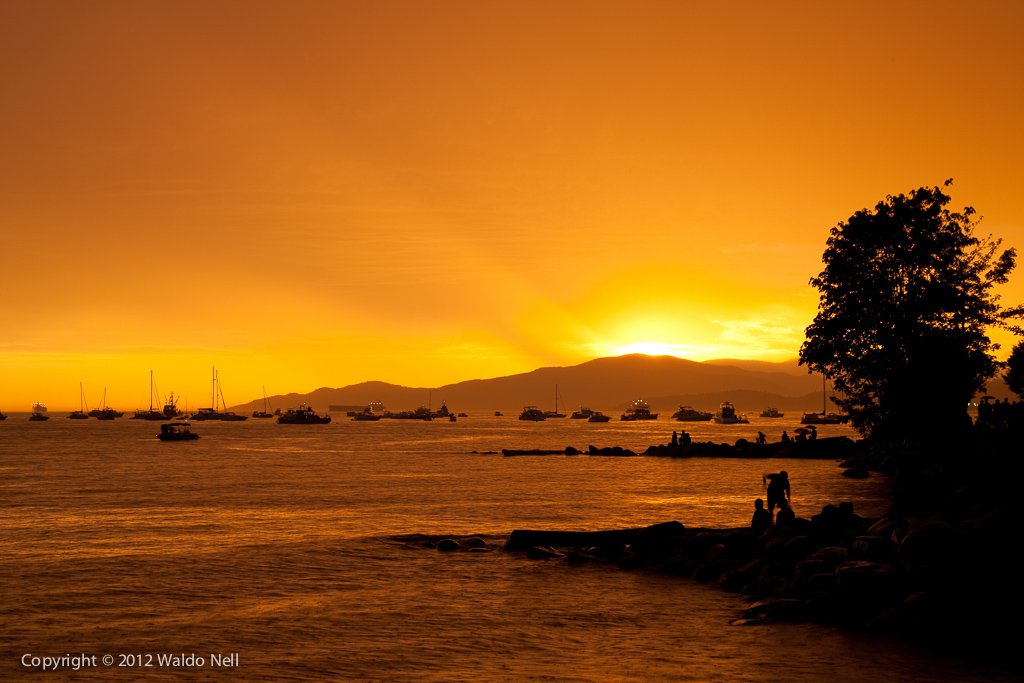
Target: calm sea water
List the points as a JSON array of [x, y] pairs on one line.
[[275, 542]]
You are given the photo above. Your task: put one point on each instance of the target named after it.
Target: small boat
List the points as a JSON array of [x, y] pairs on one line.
[[597, 416], [498, 413], [38, 413], [265, 413], [81, 413], [533, 414], [771, 412], [303, 415], [153, 413], [824, 419], [691, 414], [582, 414], [421, 413], [554, 413], [2, 416], [727, 415], [639, 410], [216, 399], [106, 412], [177, 431], [366, 415]]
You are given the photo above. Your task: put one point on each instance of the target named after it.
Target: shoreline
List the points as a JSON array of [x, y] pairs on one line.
[[932, 581]]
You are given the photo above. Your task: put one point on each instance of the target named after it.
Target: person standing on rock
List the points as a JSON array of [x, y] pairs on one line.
[[778, 490]]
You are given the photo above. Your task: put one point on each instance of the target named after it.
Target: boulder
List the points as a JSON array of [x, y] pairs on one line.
[[784, 609]]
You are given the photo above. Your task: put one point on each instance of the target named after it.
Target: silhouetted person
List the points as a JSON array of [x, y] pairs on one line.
[[762, 519], [785, 437], [778, 490], [801, 435], [760, 438], [685, 439], [675, 439], [813, 432], [785, 516]]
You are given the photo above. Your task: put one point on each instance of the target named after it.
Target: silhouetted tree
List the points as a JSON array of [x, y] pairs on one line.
[[1014, 375], [906, 299]]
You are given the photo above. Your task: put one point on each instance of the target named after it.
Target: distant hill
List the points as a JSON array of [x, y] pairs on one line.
[[606, 384]]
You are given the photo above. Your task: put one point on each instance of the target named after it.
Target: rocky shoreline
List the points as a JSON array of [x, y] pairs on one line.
[[940, 568], [933, 579], [831, 448]]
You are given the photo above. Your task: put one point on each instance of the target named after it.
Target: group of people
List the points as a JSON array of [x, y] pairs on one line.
[[999, 415], [779, 491], [682, 439]]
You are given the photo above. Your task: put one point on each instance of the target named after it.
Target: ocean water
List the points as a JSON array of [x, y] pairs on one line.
[[278, 543]]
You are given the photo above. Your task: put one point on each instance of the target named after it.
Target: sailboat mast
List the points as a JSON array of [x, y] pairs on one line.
[[213, 388], [824, 403], [150, 391], [556, 399]]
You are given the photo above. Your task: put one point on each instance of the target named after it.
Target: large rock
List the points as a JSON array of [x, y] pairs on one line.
[[784, 609]]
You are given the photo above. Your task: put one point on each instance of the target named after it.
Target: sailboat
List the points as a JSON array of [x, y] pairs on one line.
[[265, 413], [554, 413], [151, 414], [81, 413], [106, 412], [824, 418], [216, 398]]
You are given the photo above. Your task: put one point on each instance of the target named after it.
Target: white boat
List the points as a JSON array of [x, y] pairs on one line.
[[727, 415], [639, 410], [38, 413]]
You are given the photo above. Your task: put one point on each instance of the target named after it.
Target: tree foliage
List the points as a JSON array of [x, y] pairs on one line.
[[1014, 375], [907, 295]]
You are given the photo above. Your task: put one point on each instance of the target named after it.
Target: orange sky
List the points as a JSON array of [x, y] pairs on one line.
[[320, 193]]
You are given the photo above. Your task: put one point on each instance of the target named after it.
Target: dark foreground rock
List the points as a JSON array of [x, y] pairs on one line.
[[943, 581]]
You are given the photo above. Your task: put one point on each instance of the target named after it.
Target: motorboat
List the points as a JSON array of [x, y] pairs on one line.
[[582, 414], [38, 413], [533, 414], [771, 412], [638, 410], [727, 415], [303, 415], [598, 416], [177, 431], [691, 414]]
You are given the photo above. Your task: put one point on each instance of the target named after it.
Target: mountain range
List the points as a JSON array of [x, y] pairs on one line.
[[606, 384]]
